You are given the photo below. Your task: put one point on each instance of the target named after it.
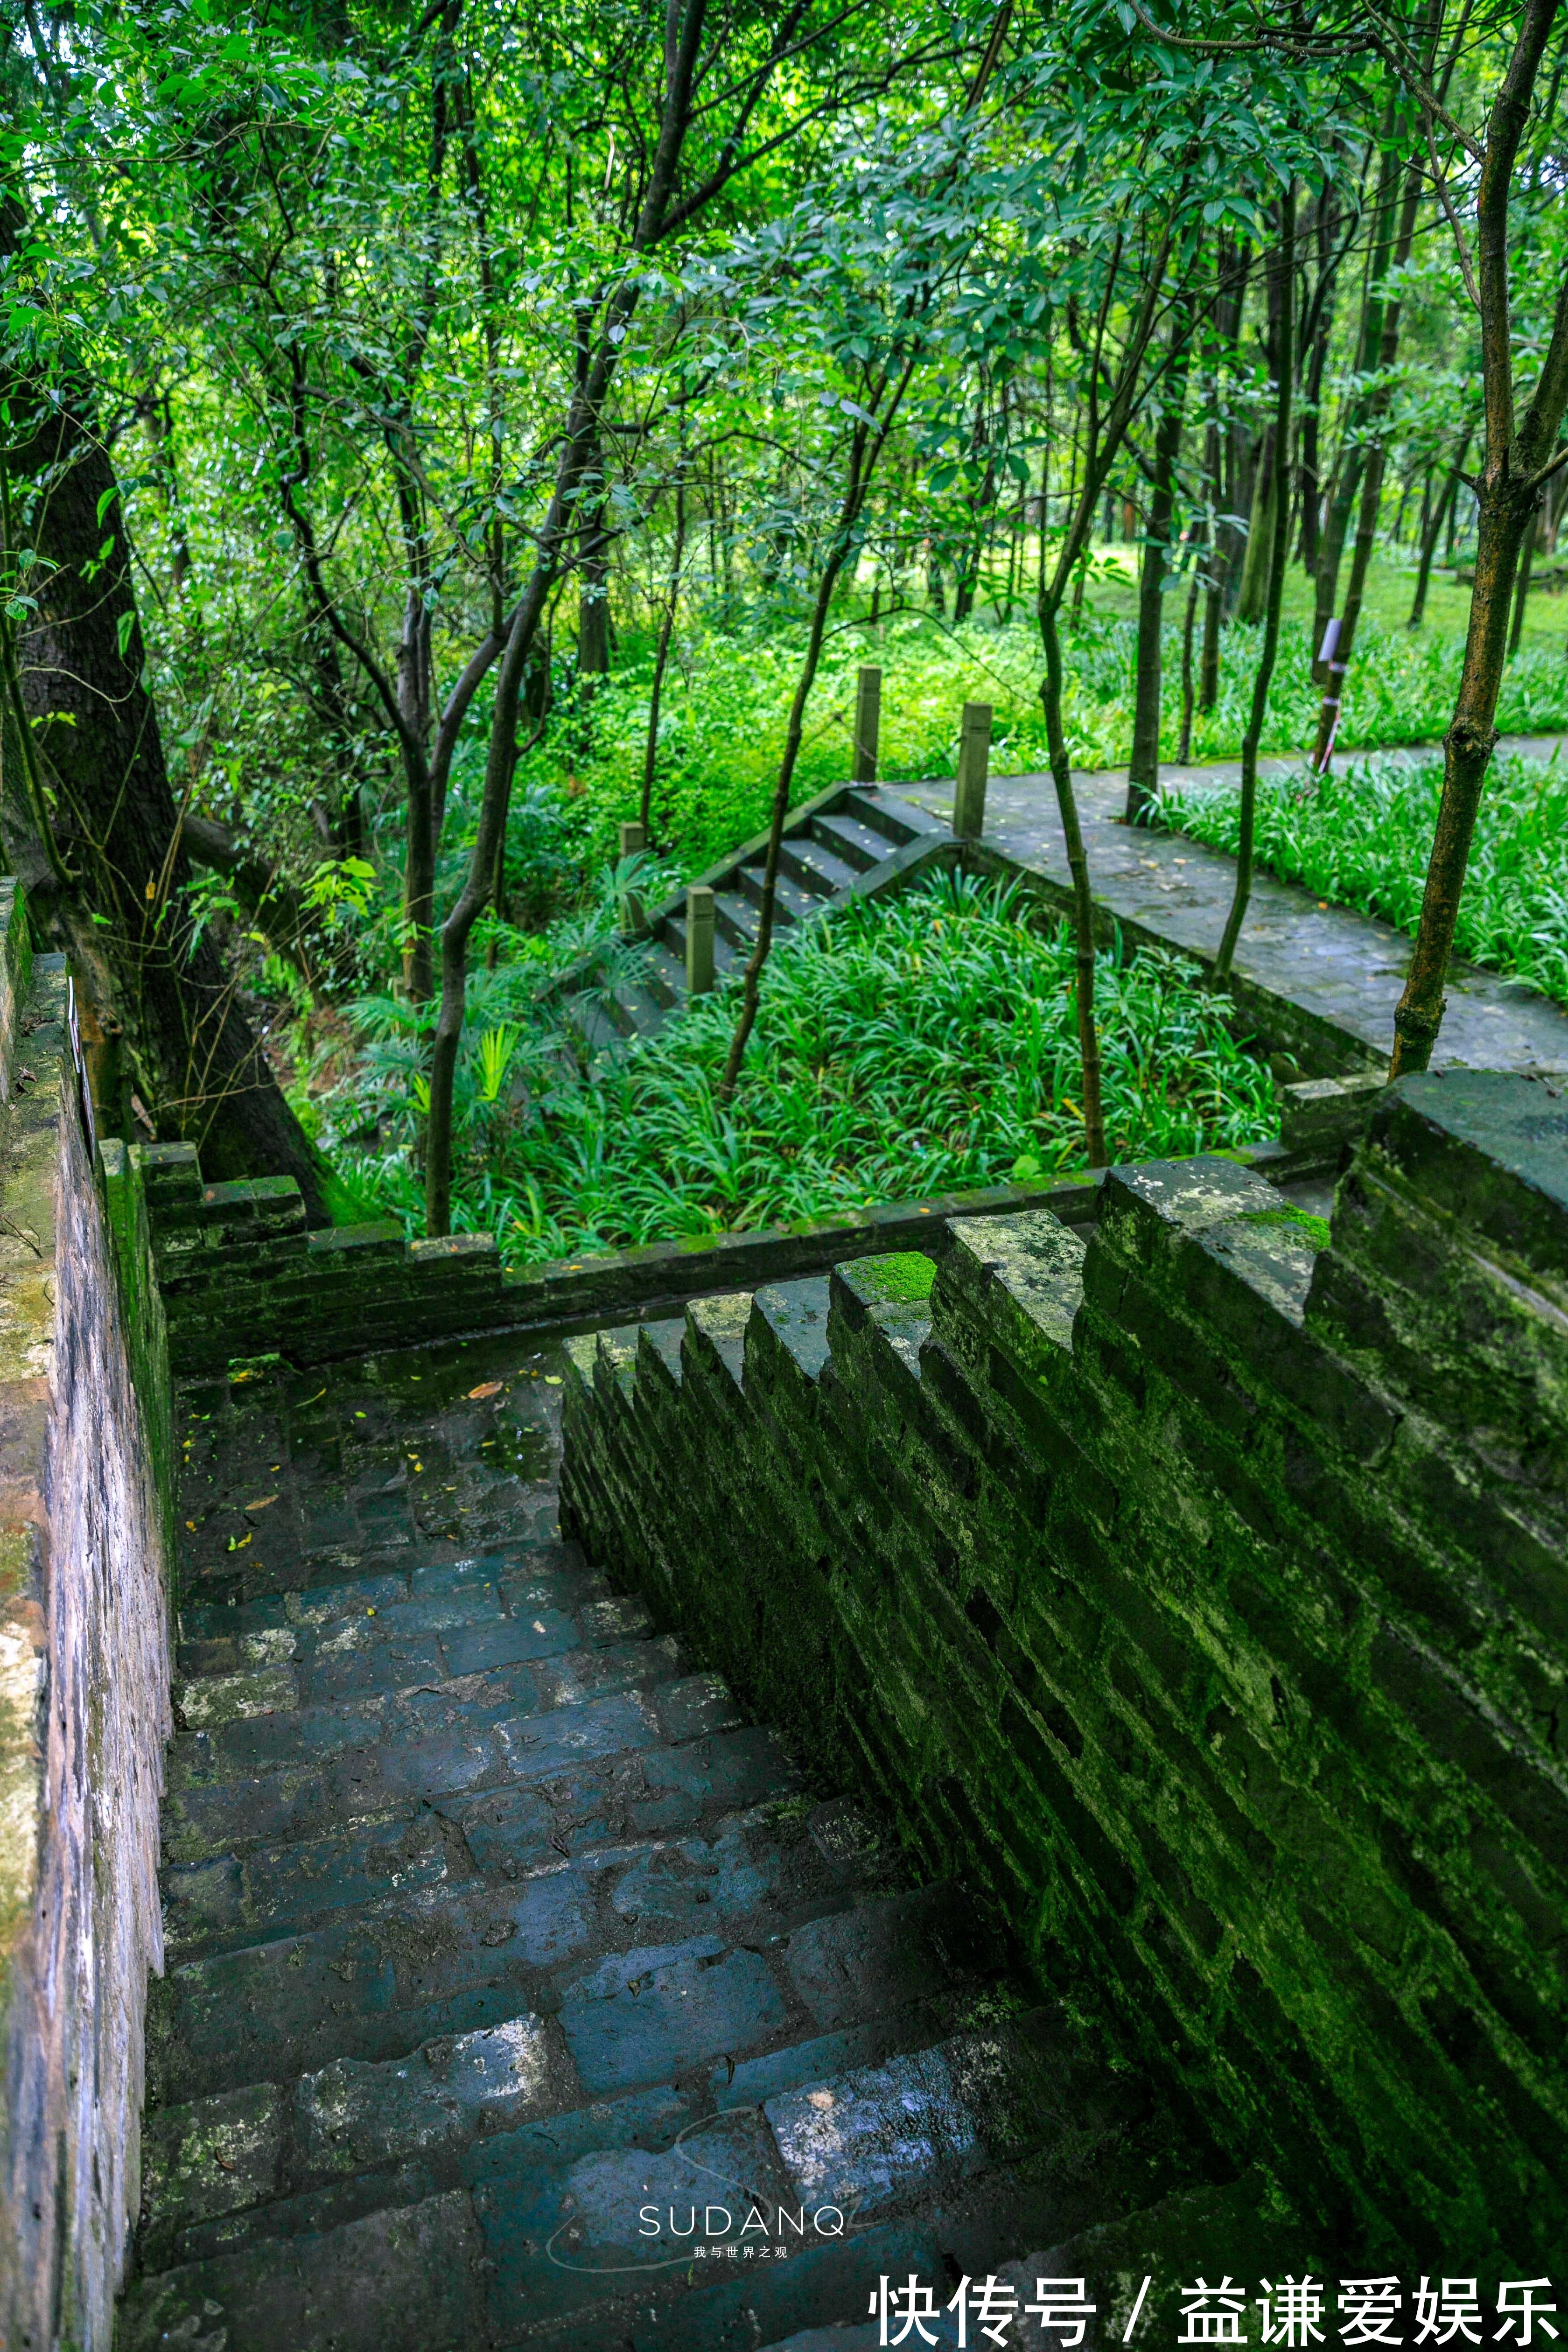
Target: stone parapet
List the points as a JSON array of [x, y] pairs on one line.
[[1197, 1594], [84, 1675]]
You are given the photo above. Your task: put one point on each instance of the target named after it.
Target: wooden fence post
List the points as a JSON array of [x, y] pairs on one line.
[[974, 766], [698, 938]]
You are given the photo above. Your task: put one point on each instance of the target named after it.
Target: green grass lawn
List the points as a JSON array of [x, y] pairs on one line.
[[906, 1047]]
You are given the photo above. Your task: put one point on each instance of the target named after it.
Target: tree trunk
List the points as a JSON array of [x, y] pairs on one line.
[[593, 605], [1252, 600], [1082, 893], [1284, 361], [191, 1052], [1434, 532], [1509, 490], [1143, 768], [1376, 458], [661, 659], [1521, 593]]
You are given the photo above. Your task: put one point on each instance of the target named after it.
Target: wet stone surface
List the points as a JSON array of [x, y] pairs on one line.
[[494, 1930]]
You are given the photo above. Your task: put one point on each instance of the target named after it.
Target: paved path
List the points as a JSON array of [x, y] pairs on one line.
[[1344, 969]]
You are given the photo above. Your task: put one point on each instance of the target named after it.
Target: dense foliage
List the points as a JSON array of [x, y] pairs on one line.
[[910, 1046], [505, 425]]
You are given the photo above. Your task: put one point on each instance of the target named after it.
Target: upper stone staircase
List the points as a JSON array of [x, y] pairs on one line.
[[852, 841]]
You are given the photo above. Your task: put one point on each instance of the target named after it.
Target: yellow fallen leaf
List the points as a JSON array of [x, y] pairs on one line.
[[486, 1388], [191, 1525], [261, 1503]]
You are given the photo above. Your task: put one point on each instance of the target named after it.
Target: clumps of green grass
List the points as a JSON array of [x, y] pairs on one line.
[[903, 1048], [725, 705], [1365, 839]]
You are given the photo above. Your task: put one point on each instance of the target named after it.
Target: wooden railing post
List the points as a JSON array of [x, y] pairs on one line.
[[973, 767], [698, 938]]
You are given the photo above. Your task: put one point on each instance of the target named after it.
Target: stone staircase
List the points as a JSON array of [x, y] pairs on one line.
[[518, 1992], [852, 841]]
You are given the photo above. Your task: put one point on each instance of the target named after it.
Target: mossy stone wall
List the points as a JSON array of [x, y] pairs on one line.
[[1198, 1594]]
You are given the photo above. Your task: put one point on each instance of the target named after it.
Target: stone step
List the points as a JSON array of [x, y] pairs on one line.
[[594, 1705], [750, 1881], [635, 1010], [384, 1580], [735, 920], [792, 902], [225, 1901], [725, 958], [276, 1729], [392, 1645], [816, 868], [857, 844], [566, 2199], [665, 973], [375, 1983]]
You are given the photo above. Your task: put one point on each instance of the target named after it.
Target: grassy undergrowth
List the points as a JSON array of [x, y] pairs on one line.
[[724, 711], [903, 1048], [1364, 842]]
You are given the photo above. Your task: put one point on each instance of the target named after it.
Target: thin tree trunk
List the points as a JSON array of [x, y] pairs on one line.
[[1082, 893], [1143, 768], [1516, 465], [1185, 748], [1262, 525], [1352, 453], [1376, 457], [1444, 508], [1521, 593], [1214, 594], [191, 1052], [650, 756], [1284, 361]]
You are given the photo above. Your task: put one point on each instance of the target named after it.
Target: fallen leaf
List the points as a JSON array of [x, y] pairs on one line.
[[486, 1388], [261, 1503], [239, 1545]]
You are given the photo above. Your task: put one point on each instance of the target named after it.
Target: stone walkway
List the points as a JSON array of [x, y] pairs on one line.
[[493, 1927], [1346, 968]]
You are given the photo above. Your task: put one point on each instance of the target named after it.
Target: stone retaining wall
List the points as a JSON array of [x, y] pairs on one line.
[[84, 1684], [1199, 1595]]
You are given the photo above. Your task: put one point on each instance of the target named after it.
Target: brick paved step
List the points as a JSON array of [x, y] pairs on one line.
[[273, 2160], [525, 1725], [753, 1882], [376, 1981], [917, 2148], [226, 1901], [389, 1643]]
